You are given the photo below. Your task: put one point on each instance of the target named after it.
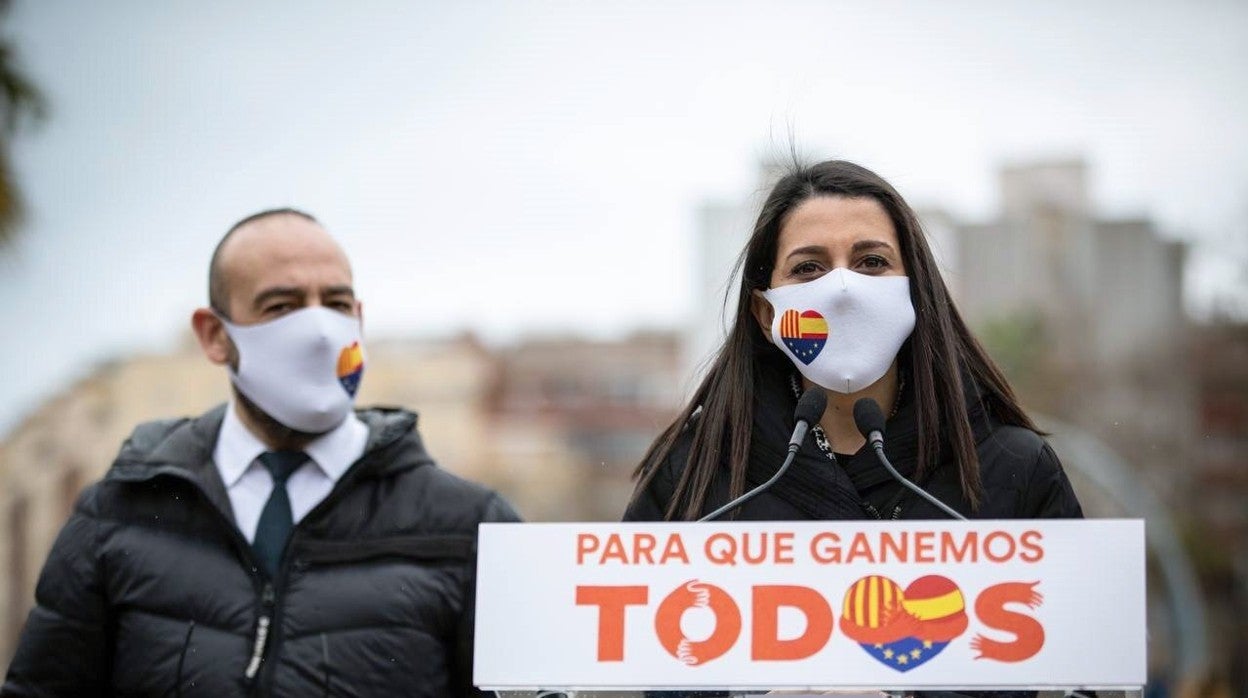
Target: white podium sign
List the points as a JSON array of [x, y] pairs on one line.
[[925, 604]]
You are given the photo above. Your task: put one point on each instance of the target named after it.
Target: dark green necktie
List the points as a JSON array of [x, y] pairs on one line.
[[276, 519]]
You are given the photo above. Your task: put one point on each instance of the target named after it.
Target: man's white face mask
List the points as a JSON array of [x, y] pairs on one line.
[[844, 329], [302, 369]]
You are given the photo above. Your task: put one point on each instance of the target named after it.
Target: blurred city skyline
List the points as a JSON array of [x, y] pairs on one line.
[[534, 168]]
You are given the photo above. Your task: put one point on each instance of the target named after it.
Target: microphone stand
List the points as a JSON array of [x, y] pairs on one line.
[[810, 407], [877, 444], [788, 460]]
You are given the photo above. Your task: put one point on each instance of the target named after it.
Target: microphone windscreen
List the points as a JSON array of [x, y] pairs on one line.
[[868, 417], [810, 406]]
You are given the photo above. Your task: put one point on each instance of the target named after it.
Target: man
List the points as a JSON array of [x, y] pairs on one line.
[[280, 545]]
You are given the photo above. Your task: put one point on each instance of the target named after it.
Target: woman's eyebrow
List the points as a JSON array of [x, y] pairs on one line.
[[870, 245], [807, 249]]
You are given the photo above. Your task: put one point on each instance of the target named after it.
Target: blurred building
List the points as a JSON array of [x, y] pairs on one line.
[[601, 403], [1220, 474], [1083, 312], [557, 425], [720, 235], [1108, 290], [723, 227], [1220, 364]]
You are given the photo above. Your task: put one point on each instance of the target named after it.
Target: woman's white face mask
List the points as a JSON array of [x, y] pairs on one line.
[[302, 369], [842, 330]]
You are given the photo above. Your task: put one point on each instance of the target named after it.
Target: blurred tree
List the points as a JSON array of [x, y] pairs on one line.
[[20, 100], [1017, 343], [1021, 346]]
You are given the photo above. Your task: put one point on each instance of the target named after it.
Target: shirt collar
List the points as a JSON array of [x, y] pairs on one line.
[[333, 452], [336, 450]]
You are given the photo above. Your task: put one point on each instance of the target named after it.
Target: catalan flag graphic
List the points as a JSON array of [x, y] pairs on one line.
[[351, 367], [903, 629], [804, 333]]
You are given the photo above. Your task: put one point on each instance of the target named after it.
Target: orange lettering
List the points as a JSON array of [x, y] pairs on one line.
[[860, 547], [1032, 550], [999, 535], [760, 553], [898, 547], [611, 602], [696, 594], [784, 547], [675, 548], [923, 546], [767, 645], [826, 548], [949, 550], [1027, 631], [585, 543], [615, 549], [643, 545]]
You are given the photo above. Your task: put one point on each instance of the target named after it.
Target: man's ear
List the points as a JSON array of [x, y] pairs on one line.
[[210, 332], [763, 313]]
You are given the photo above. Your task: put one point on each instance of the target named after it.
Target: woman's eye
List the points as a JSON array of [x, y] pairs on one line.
[[807, 268], [874, 262]]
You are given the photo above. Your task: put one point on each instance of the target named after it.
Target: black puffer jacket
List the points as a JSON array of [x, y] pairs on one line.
[[151, 590]]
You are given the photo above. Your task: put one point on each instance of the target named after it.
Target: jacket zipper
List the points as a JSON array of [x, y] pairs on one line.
[[268, 600], [875, 513], [262, 648]]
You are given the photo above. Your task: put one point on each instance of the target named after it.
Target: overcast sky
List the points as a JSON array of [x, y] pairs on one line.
[[522, 167]]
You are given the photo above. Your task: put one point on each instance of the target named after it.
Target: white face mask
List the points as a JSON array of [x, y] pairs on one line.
[[844, 329], [302, 369]]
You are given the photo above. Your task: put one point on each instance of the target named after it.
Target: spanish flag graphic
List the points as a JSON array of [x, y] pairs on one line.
[[804, 333], [903, 629], [351, 367]]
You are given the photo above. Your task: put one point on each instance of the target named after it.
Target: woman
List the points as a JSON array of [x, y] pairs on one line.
[[839, 290]]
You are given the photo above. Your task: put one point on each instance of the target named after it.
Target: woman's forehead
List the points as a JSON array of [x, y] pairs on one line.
[[833, 222]]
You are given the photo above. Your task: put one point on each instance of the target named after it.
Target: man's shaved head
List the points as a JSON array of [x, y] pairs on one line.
[[218, 288]]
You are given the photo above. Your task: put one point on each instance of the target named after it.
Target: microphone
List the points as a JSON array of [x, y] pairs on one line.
[[810, 407], [870, 422]]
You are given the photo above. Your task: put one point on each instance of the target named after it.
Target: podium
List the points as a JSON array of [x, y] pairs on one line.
[[749, 607]]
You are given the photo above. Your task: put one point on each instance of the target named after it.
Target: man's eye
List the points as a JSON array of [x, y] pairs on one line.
[[278, 308]]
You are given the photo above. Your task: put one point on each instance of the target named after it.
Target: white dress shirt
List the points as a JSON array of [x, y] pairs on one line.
[[249, 483]]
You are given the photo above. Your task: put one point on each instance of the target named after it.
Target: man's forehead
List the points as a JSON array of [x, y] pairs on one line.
[[282, 238]]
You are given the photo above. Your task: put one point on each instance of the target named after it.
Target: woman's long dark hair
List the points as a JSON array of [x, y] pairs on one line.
[[939, 351]]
